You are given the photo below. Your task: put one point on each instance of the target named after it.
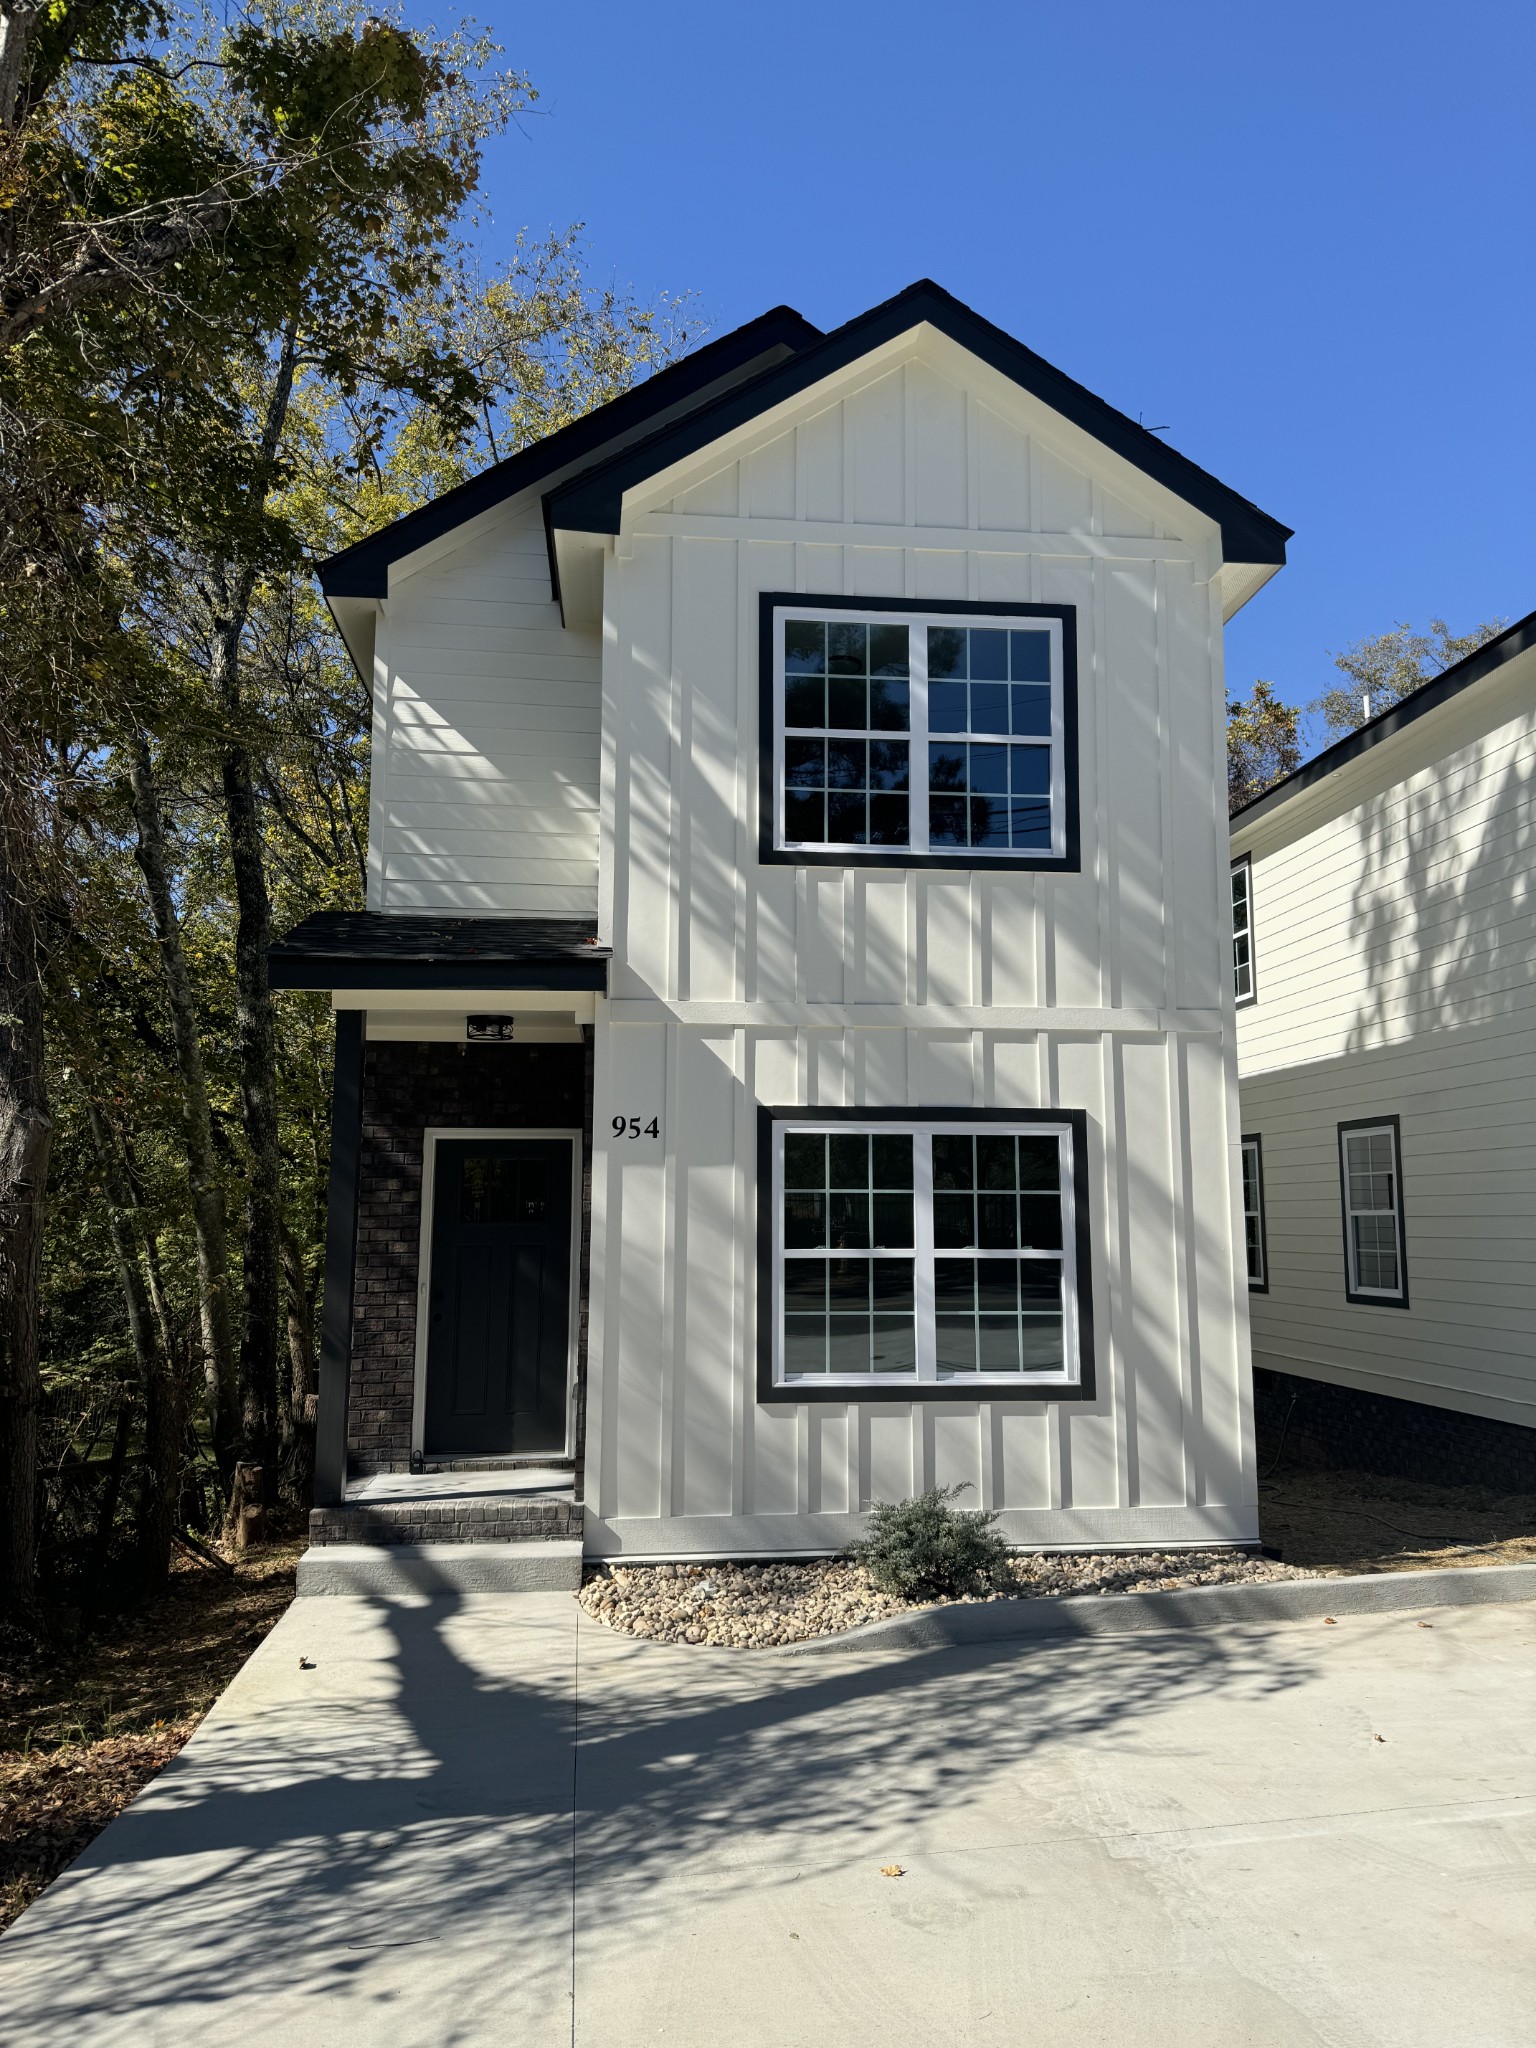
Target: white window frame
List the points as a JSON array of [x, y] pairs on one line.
[[431, 1138], [926, 1380], [1378, 1297], [917, 736], [1253, 1147], [1243, 866]]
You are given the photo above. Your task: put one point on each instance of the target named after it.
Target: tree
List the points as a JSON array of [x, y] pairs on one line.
[[1263, 744], [1388, 667], [238, 328]]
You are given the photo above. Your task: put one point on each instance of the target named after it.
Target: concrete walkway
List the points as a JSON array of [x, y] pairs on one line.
[[485, 1821]]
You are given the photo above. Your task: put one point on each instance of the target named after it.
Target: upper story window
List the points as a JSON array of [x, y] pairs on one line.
[[919, 735], [1243, 981]]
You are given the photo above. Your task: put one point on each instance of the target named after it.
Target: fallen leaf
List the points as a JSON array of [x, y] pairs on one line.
[[892, 1870], [1426, 1624], [1329, 1622], [1378, 1738], [305, 1664]]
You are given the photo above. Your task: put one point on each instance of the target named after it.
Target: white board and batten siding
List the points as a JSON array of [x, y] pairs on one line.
[[1394, 914], [486, 732], [736, 983]]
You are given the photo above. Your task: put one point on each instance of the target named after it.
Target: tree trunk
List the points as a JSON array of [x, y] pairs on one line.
[[261, 1334], [163, 1417], [303, 1377], [256, 1052], [26, 1133], [208, 1217]]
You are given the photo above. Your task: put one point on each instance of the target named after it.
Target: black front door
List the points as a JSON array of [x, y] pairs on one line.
[[499, 1297]]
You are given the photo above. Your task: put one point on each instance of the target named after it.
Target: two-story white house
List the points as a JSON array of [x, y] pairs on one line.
[[1384, 901], [787, 1058]]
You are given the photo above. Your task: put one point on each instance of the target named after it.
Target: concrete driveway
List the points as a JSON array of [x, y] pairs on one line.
[[488, 1820]]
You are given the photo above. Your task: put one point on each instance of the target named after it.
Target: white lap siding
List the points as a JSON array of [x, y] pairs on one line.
[[736, 983], [485, 759], [1394, 915]]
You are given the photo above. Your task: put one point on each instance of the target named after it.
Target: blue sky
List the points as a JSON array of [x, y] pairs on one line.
[[1299, 237]]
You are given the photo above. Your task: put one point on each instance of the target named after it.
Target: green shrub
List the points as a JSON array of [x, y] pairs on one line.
[[924, 1549]]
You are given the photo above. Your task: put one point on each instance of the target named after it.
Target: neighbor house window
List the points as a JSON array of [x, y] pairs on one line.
[[1253, 1216], [1242, 930], [922, 1256], [919, 735], [1371, 1174]]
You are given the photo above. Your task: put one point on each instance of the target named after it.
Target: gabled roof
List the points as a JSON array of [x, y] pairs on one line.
[[590, 502], [362, 570], [1482, 661], [732, 381]]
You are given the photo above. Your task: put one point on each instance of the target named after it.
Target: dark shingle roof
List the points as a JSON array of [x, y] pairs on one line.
[[362, 570], [336, 949]]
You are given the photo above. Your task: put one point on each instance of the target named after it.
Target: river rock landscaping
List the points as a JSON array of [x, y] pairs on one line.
[[759, 1606]]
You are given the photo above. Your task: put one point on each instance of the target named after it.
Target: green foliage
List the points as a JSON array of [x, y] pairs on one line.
[[181, 436], [924, 1549], [1388, 667], [1263, 744]]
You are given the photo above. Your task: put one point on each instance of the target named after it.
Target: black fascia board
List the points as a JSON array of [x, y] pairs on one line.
[[362, 570], [1482, 661], [591, 501], [561, 975]]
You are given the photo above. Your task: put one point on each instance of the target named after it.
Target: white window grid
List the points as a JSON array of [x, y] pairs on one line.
[[918, 734], [1373, 1211], [1253, 1213], [923, 1253], [1242, 931]]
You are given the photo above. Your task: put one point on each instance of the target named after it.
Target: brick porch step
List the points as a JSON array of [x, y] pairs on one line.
[[463, 1518]]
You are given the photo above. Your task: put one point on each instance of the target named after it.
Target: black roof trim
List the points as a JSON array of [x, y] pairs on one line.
[[590, 502], [1482, 661], [348, 949], [362, 570]]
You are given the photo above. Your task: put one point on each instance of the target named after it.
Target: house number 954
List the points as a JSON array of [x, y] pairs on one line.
[[631, 1127]]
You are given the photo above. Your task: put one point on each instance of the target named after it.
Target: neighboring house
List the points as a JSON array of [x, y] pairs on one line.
[[787, 1059], [1384, 901]]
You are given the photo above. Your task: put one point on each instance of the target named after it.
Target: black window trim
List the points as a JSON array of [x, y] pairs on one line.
[[771, 1395], [897, 857], [1257, 1286], [1352, 1294], [1245, 861]]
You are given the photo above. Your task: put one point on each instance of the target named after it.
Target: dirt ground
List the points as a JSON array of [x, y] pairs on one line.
[[1348, 1522], [82, 1731]]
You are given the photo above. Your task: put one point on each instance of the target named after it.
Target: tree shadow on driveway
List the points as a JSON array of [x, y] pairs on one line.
[[310, 1861]]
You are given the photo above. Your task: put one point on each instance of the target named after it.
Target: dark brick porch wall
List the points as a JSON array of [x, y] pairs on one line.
[[406, 1088], [1361, 1432]]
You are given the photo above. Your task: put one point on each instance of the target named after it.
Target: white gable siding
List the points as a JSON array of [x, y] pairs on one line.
[[485, 758], [1394, 920], [736, 984]]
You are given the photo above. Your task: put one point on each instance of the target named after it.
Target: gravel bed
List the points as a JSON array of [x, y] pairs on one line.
[[756, 1606]]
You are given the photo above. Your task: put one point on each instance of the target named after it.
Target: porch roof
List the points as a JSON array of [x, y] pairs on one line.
[[350, 949]]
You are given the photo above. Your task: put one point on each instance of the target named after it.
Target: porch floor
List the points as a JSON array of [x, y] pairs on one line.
[[510, 1482]]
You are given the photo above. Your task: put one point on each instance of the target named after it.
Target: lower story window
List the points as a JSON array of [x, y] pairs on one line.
[[919, 1255], [1253, 1216], [1370, 1169]]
